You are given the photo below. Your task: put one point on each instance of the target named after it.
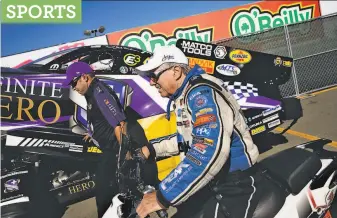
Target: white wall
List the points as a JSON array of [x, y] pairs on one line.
[[328, 7]]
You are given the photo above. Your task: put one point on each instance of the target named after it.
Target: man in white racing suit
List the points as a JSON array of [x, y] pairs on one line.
[[211, 125]]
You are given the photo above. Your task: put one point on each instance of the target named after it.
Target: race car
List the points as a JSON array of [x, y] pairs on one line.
[[46, 162]]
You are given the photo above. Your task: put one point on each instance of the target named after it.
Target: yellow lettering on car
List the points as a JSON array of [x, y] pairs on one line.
[[258, 130], [94, 149], [81, 187]]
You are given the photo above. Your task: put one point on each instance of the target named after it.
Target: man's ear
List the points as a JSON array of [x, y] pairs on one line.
[[177, 72], [85, 77]]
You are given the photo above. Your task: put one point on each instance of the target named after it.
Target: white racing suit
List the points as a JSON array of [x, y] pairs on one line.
[[210, 122]]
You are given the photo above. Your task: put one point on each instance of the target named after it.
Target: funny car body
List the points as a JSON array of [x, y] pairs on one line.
[[46, 165]]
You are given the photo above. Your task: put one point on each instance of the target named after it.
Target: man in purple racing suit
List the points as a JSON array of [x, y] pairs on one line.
[[106, 120], [211, 125]]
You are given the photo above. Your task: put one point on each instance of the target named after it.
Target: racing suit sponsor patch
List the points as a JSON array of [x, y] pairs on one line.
[[111, 107], [213, 125], [197, 140], [198, 156], [200, 140], [181, 170], [201, 148], [194, 95], [204, 111], [208, 141], [185, 123], [98, 89], [204, 119], [200, 101], [201, 92], [193, 159], [203, 131]]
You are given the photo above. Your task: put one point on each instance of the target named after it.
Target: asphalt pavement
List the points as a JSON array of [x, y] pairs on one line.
[[319, 121]]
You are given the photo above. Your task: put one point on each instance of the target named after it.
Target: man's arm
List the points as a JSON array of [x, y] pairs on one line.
[[110, 107], [209, 151], [162, 147], [119, 130]]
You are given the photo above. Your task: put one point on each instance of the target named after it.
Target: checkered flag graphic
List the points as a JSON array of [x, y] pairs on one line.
[[241, 90]]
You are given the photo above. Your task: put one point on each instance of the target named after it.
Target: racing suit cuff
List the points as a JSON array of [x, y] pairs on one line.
[[161, 199], [152, 151]]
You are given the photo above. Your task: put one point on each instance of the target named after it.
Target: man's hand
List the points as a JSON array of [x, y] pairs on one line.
[[87, 137], [128, 156], [145, 152], [148, 205], [120, 130], [138, 154]]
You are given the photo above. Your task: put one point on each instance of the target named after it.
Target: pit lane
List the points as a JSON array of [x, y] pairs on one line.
[[319, 121]]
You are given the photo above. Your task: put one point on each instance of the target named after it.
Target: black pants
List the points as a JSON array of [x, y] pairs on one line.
[[106, 184], [105, 181], [234, 197]]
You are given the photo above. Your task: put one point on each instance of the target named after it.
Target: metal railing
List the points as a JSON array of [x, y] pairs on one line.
[[312, 44]]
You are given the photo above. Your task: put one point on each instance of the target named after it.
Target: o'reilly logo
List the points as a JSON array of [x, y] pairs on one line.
[[256, 19], [41, 11]]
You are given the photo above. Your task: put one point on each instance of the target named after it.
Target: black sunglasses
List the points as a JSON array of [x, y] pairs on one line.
[[155, 77], [74, 81]]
